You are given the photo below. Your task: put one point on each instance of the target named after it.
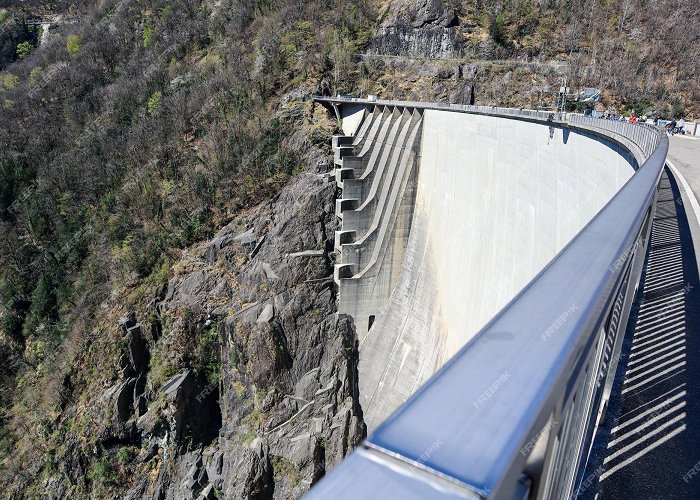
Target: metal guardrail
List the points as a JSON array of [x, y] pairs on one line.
[[514, 412], [641, 139]]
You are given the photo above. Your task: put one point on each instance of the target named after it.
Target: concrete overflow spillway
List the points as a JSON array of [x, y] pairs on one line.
[[446, 215]]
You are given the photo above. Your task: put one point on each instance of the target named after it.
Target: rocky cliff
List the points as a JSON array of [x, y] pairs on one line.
[[424, 28], [280, 406], [285, 406]]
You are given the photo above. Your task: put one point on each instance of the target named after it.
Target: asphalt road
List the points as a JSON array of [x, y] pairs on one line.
[[684, 157], [684, 153]]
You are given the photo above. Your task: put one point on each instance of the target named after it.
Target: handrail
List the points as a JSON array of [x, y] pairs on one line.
[[514, 411], [641, 139]]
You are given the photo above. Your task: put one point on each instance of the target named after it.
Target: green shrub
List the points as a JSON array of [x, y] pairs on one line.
[[497, 30], [147, 32], [288, 468], [10, 81], [35, 75], [124, 455], [101, 471], [73, 44], [154, 102], [161, 369], [24, 49]]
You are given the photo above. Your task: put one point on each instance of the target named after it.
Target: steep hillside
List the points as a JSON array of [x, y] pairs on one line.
[[135, 359], [167, 314]]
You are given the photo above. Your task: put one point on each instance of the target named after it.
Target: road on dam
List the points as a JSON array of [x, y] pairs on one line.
[[649, 443]]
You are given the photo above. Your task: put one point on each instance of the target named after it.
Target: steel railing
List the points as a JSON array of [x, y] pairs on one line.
[[514, 412], [641, 139]]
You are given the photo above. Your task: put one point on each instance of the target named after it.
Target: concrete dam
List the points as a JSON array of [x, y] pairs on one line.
[[521, 284], [448, 212]]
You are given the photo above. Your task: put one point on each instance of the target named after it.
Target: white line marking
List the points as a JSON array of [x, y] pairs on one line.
[[661, 269], [666, 275], [665, 285], [663, 321], [655, 347], [651, 303], [654, 361], [674, 374], [659, 337], [686, 187], [656, 353], [678, 300]]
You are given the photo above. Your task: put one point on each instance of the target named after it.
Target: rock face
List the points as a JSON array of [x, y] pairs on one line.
[[287, 396], [422, 28]]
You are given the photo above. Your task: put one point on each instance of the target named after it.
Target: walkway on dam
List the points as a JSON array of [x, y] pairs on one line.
[[648, 446]]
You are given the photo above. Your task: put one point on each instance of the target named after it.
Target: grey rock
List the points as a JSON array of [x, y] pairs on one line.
[[468, 71], [247, 239], [218, 463], [423, 28], [137, 349], [127, 321], [221, 240], [207, 493], [257, 447], [267, 314], [190, 484], [269, 272], [307, 253], [175, 382], [301, 358], [198, 291], [463, 95], [307, 385], [124, 400]]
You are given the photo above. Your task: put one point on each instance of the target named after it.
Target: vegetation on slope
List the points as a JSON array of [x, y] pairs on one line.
[[130, 135]]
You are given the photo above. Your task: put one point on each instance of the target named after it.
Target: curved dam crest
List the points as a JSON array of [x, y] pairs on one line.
[[464, 210]]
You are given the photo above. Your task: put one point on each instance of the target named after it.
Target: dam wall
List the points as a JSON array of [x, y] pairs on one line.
[[467, 209]]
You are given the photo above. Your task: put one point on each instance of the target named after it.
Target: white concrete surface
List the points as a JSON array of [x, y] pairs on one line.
[[496, 200], [352, 116], [376, 210]]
